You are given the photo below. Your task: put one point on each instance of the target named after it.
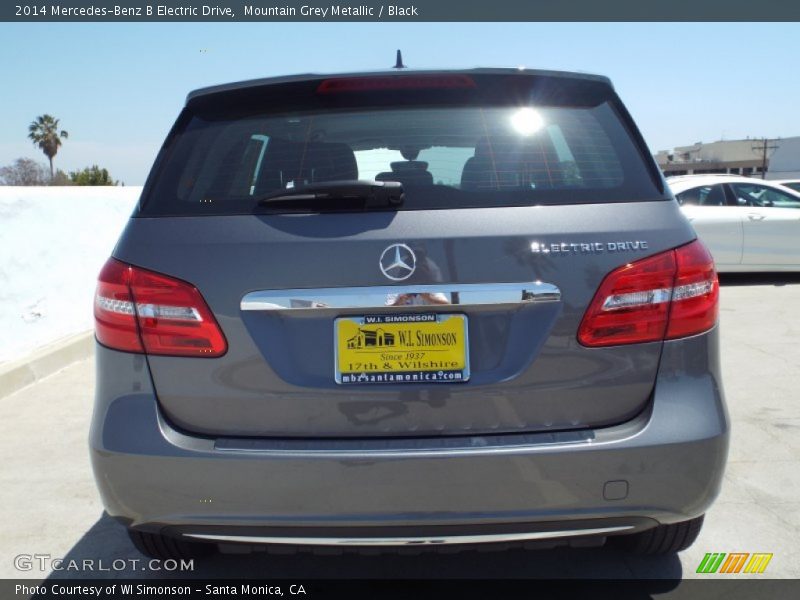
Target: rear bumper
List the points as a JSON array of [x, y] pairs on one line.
[[664, 466]]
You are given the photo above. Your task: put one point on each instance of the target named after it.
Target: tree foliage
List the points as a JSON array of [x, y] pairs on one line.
[[24, 171], [44, 133], [60, 178], [93, 175]]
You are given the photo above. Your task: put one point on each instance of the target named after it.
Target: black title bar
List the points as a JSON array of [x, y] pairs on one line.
[[410, 11]]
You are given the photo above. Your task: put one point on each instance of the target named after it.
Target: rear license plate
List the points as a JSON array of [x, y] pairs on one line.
[[408, 348]]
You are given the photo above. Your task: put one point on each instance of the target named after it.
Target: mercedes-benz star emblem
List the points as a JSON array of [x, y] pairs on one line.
[[398, 262]]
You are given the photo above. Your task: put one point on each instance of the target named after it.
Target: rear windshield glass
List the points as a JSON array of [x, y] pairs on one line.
[[445, 156]]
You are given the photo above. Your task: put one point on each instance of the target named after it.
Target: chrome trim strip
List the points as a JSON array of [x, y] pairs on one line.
[[504, 444], [406, 541], [416, 453], [468, 294]]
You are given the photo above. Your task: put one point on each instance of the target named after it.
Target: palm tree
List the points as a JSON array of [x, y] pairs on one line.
[[45, 134]]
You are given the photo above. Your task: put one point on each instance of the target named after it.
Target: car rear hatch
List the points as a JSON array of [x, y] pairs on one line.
[[454, 313]]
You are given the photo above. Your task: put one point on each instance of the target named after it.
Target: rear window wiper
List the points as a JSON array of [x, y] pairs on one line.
[[337, 195]]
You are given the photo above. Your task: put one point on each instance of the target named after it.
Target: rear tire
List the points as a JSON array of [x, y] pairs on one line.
[[163, 547], [663, 539]]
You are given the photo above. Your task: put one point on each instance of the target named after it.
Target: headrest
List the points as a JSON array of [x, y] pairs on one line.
[[286, 161], [409, 165]]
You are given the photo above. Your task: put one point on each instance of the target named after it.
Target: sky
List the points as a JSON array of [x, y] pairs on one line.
[[118, 87]]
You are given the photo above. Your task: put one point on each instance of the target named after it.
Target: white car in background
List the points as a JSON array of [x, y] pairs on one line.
[[748, 224], [793, 184]]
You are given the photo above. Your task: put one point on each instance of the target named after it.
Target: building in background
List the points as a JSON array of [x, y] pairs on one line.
[[785, 162], [780, 159]]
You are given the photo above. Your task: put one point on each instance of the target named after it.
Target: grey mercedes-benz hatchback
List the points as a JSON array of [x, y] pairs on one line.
[[409, 308]]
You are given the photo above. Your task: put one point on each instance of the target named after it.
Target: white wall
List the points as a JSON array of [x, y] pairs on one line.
[[53, 242], [785, 161]]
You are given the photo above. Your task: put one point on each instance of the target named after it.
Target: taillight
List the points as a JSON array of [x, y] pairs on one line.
[[137, 310], [114, 315], [695, 296], [670, 295]]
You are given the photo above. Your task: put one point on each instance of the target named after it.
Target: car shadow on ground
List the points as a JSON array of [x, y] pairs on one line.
[[743, 279], [108, 542]]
